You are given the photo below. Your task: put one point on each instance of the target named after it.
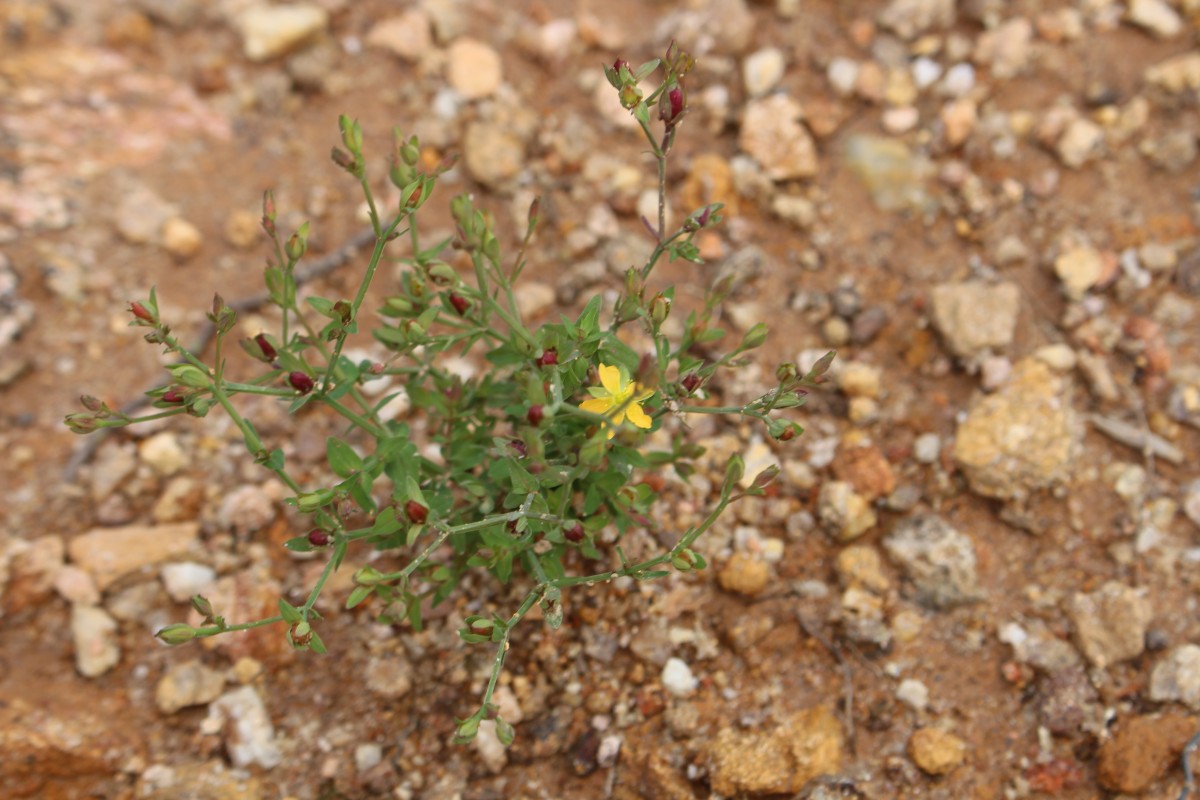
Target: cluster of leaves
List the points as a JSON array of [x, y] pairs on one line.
[[530, 472]]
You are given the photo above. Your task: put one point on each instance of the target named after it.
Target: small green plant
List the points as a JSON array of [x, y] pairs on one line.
[[538, 455]]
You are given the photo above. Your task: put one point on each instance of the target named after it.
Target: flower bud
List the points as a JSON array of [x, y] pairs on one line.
[[301, 382], [311, 501], [190, 375], [671, 106], [691, 382], [267, 348], [417, 513], [174, 396], [660, 307], [297, 245], [574, 533], [141, 312], [786, 373], [301, 634], [630, 96], [91, 403], [460, 303], [318, 537], [442, 273], [202, 605], [178, 633], [410, 152], [519, 447], [548, 358], [535, 415]]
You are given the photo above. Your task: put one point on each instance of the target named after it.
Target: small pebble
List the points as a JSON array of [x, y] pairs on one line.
[[913, 693], [677, 678]]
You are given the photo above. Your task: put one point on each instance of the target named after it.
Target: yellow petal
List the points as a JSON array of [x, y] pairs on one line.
[[618, 417], [597, 405], [610, 378], [637, 416]]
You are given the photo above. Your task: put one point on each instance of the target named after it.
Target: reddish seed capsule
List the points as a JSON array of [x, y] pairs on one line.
[[173, 396], [301, 382], [519, 447], [267, 350], [416, 512], [548, 358], [535, 415], [574, 533], [460, 303], [788, 434], [691, 382], [141, 312], [318, 538]]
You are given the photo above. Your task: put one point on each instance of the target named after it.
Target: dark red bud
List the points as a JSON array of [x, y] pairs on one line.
[[574, 533], [535, 415], [788, 434], [548, 358], [301, 382], [460, 303], [691, 382], [416, 512], [173, 396], [519, 447], [267, 350], [414, 199], [620, 62], [141, 312], [318, 538]]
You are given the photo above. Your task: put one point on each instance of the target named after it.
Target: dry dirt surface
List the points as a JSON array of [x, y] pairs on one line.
[[977, 575]]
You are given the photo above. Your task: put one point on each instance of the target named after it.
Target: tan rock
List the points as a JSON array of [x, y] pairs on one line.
[[773, 135], [1142, 750], [935, 751], [861, 565], [807, 745], [111, 553], [473, 68], [1110, 623], [1023, 438], [181, 238], [744, 574]]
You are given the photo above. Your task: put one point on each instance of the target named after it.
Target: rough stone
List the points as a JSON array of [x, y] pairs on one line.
[[1079, 268], [111, 553], [181, 238], [938, 560], [246, 509], [207, 780], [492, 153], [241, 717], [271, 31], [389, 676], [163, 453], [1023, 438], [975, 316], [189, 683], [773, 135], [1006, 49], [473, 68], [861, 565], [677, 678], [1142, 750], [911, 18], [744, 574], [94, 633], [806, 745], [845, 513], [1110, 623], [1176, 678], [409, 35], [866, 469], [185, 579], [141, 214], [935, 751], [762, 70], [1079, 142], [1177, 74], [1155, 16]]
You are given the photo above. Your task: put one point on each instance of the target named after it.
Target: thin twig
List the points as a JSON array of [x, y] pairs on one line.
[[847, 676], [315, 269], [1185, 757]]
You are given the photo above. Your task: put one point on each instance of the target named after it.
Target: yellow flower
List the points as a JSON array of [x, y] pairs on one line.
[[620, 398]]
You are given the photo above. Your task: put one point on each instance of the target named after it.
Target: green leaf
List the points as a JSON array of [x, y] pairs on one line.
[[589, 318], [322, 306], [386, 523], [359, 594], [299, 544], [289, 612], [316, 645], [551, 605], [342, 458], [734, 469]]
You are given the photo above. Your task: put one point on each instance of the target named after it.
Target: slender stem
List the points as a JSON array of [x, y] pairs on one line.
[[359, 420], [320, 584], [213, 630]]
